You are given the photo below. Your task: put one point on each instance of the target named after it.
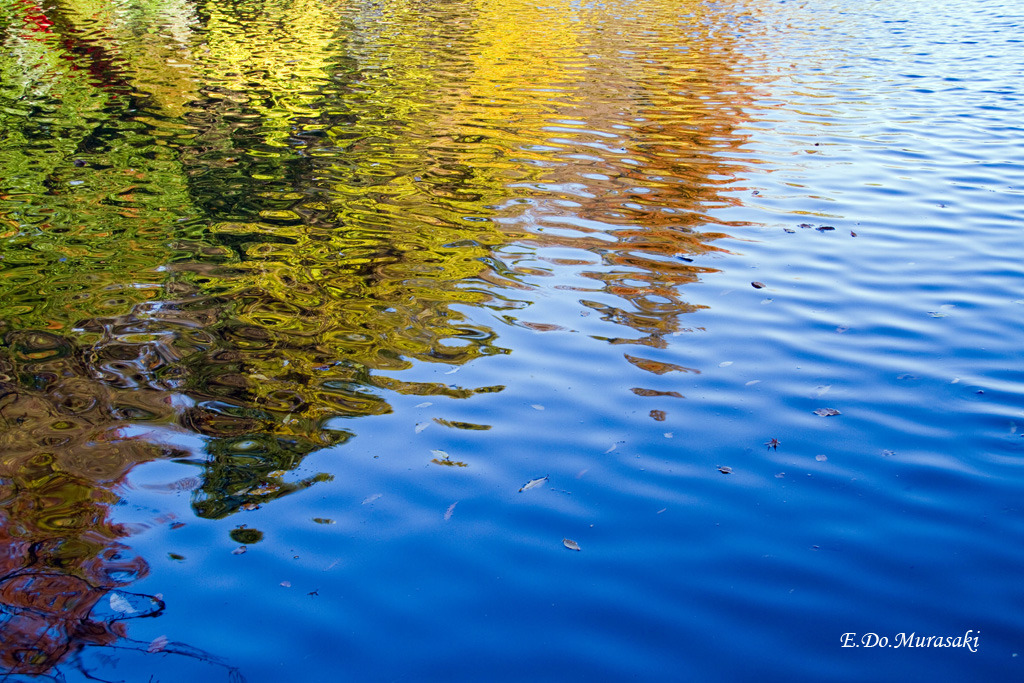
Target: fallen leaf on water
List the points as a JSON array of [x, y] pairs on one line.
[[240, 550], [158, 644], [286, 584], [888, 453], [725, 363], [440, 454], [611, 448], [725, 470], [449, 463], [853, 234], [449, 511], [789, 231], [370, 499], [658, 415], [752, 382], [824, 228], [805, 225], [537, 406], [452, 371], [533, 482], [424, 405], [757, 285], [821, 458], [826, 412], [570, 544], [660, 511], [421, 426]]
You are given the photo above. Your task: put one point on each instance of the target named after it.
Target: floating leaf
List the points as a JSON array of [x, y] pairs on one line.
[[660, 511], [725, 470], [533, 482], [421, 426], [537, 406], [449, 463], [611, 448], [449, 511], [658, 415], [158, 644], [822, 390], [789, 230], [240, 550], [824, 228], [425, 404], [853, 234], [440, 454], [752, 382], [805, 225], [725, 363], [570, 544], [821, 458], [370, 499], [826, 412], [758, 285], [286, 584]]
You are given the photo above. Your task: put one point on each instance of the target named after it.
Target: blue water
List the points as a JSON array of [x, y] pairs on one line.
[[643, 375]]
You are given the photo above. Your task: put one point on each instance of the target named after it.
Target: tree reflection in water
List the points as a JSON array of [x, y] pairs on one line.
[[244, 222]]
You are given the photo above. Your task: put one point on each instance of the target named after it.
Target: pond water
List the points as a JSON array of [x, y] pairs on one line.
[[509, 341]]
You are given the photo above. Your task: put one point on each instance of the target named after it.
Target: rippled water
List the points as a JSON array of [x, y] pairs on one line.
[[297, 298]]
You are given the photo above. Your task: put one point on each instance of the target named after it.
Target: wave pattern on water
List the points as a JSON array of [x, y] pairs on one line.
[[297, 297]]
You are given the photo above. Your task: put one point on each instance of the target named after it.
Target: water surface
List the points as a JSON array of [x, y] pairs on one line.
[[297, 297]]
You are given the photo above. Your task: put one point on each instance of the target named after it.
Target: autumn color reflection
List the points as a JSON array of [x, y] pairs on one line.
[[248, 222]]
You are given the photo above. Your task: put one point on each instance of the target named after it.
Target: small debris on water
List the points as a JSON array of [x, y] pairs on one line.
[[532, 483], [821, 458], [158, 644], [286, 584], [725, 470], [240, 550], [826, 412], [537, 406], [773, 443], [370, 499], [570, 544], [757, 285], [451, 509], [824, 228]]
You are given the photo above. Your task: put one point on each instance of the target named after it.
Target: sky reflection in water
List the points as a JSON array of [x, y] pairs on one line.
[[228, 231]]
